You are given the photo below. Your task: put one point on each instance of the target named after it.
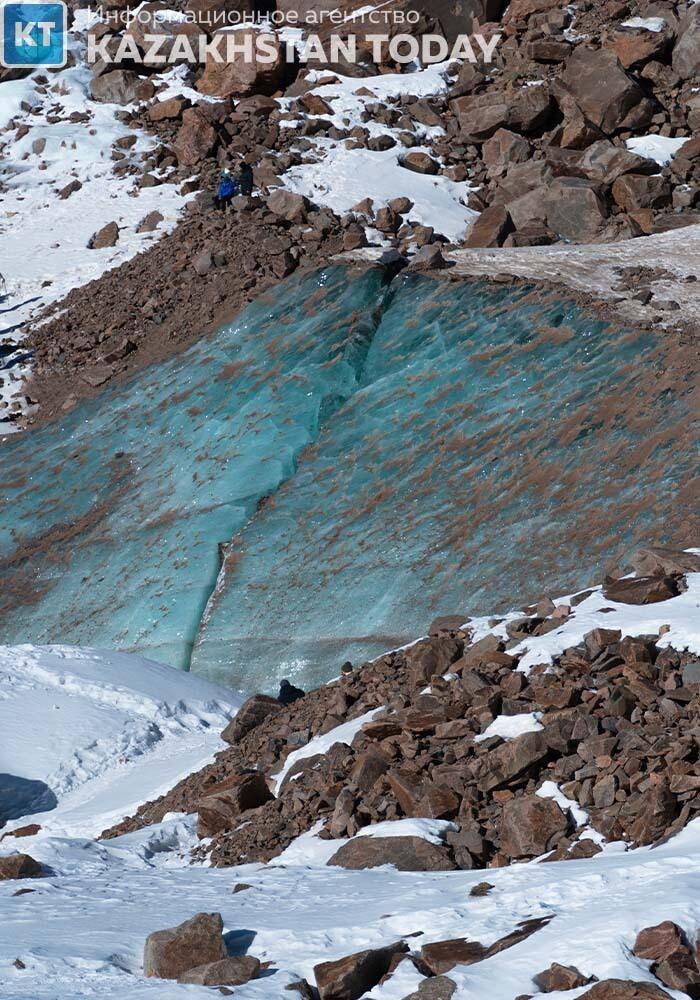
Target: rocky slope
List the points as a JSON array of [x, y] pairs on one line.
[[549, 732], [580, 131]]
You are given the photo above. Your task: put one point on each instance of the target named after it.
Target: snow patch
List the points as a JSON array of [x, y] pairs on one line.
[[659, 148], [509, 727]]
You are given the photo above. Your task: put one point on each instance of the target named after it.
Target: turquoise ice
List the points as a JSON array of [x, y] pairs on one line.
[[319, 479]]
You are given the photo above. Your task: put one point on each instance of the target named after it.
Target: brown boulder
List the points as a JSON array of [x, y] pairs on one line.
[[406, 854], [512, 759], [658, 942], [151, 24], [221, 809], [686, 54], [431, 657], [251, 713], [436, 988], [575, 209], [19, 866], [680, 972], [635, 47], [481, 116], [655, 811], [226, 972], [420, 163], [530, 825], [663, 561], [441, 956], [195, 139], [641, 590], [121, 86], [105, 237], [633, 192], [246, 72], [604, 162], [167, 110], [623, 989], [560, 977], [491, 228], [504, 149], [174, 950], [287, 205], [351, 977], [599, 87]]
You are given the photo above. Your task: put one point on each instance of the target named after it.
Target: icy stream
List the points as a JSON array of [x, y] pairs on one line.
[[361, 459]]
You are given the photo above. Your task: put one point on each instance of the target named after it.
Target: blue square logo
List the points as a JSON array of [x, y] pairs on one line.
[[33, 34]]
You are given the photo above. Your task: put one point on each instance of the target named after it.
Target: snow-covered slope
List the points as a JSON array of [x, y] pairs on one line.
[[333, 180], [63, 137], [94, 734]]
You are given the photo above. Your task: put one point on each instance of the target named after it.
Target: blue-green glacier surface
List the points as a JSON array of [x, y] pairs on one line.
[[345, 461]]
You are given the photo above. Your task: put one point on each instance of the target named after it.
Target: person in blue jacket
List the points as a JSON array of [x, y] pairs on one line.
[[228, 189]]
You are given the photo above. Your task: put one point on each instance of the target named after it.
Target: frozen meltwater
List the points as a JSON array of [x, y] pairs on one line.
[[347, 460]]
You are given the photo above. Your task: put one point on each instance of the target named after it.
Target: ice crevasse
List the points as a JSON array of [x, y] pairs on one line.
[[346, 460]]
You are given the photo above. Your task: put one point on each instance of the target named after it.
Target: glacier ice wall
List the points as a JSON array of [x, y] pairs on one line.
[[501, 442], [319, 479], [111, 521]]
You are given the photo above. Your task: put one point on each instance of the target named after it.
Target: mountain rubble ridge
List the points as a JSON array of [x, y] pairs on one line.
[[523, 736]]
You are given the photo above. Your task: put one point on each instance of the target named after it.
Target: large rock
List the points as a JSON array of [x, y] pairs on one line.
[[654, 812], [641, 590], [504, 149], [634, 193], [491, 228], [604, 162], [560, 977], [482, 115], [19, 866], [663, 561], [435, 988], [226, 972], [530, 826], [420, 163], [351, 977], [250, 714], [196, 942], [575, 209], [441, 956], [105, 237], [623, 989], [512, 759], [247, 72], [599, 87], [407, 854], [221, 809], [431, 657], [686, 54], [121, 86], [659, 942], [195, 139], [288, 206], [635, 47]]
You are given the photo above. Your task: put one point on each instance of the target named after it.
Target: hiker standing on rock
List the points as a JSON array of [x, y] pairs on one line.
[[228, 188], [245, 179]]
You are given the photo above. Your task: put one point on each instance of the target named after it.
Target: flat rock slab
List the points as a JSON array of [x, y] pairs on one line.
[[407, 854]]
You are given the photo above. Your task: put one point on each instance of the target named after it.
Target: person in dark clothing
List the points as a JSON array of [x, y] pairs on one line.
[[245, 179], [289, 694]]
